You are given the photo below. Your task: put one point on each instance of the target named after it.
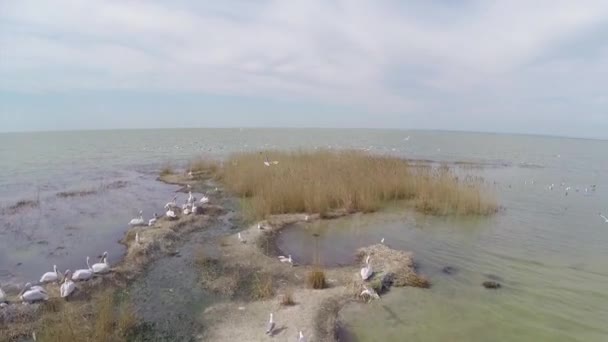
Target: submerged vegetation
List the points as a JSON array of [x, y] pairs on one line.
[[324, 181]]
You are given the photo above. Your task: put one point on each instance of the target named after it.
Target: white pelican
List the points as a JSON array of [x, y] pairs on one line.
[[204, 199], [29, 294], [191, 198], [171, 214], [190, 175], [102, 267], [2, 296], [67, 287], [369, 292], [50, 276], [604, 217], [382, 241], [260, 226], [137, 240], [83, 274], [194, 209], [172, 204], [270, 325], [301, 337], [366, 272], [268, 163], [241, 238], [286, 260], [153, 220], [138, 221], [306, 218], [186, 211]]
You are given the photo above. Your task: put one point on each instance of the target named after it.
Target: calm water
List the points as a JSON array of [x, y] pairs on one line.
[[550, 249]]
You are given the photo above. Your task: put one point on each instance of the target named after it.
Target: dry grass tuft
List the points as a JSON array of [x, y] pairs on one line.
[[167, 170], [262, 287], [286, 299], [203, 168], [415, 280], [316, 279], [324, 181]]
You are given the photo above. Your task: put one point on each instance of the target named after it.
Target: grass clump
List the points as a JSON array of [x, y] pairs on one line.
[[324, 181], [262, 287], [286, 299], [316, 279], [167, 170]]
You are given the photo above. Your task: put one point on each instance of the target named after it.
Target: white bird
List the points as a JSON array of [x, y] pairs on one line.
[[241, 238], [406, 138], [137, 239], [138, 221], [29, 294], [103, 266], [369, 292], [153, 220], [382, 241], [83, 274], [191, 198], [204, 199], [172, 204], [306, 218], [604, 217], [2, 296], [366, 272], [260, 226], [186, 211], [551, 186], [270, 325], [301, 337], [67, 287], [286, 260], [190, 175], [50, 276], [171, 214]]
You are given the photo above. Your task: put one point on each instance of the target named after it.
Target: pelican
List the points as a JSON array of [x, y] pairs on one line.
[[382, 241], [260, 226], [204, 199], [186, 211], [301, 337], [68, 286], [2, 296], [194, 209], [83, 274], [171, 204], [138, 221], [241, 238], [29, 294], [171, 214], [604, 217], [50, 276], [306, 218], [270, 325], [153, 220], [101, 267], [190, 175], [366, 272], [369, 292], [286, 260], [137, 240], [190, 197]]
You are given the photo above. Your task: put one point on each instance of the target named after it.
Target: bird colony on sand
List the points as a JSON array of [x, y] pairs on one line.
[[67, 281]]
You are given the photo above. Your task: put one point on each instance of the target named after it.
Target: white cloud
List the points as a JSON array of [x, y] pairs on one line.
[[326, 51]]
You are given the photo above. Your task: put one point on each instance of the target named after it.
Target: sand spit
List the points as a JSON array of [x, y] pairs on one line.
[[314, 312]]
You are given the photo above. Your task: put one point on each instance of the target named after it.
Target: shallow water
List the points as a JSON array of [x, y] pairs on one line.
[[549, 248]]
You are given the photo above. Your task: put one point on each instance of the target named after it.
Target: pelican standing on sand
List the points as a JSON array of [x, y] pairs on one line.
[[30, 295], [172, 204], [138, 221], [68, 286], [49, 277], [270, 325], [171, 214], [153, 220], [83, 274], [366, 272], [103, 266]]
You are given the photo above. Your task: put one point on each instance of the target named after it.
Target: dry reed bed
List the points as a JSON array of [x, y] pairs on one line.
[[323, 181]]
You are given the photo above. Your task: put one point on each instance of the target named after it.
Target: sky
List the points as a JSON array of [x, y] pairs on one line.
[[538, 67]]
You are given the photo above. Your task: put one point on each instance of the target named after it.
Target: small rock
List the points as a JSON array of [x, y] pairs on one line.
[[491, 285]]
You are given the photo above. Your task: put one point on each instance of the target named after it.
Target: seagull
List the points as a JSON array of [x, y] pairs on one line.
[[286, 260], [270, 325], [241, 238], [301, 337], [604, 217]]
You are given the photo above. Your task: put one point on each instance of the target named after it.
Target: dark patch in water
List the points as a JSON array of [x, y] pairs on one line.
[[19, 206], [77, 193], [491, 285], [43, 242], [449, 270]]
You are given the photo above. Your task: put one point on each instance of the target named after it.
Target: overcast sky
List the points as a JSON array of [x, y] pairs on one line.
[[499, 66]]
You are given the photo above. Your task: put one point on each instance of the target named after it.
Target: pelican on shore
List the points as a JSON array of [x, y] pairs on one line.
[[172, 204], [171, 214], [30, 295], [49, 277], [367, 271], [270, 325], [241, 238], [138, 221], [153, 220], [2, 296], [68, 286], [137, 239], [204, 199], [186, 210], [268, 163], [301, 337], [83, 274], [260, 227], [103, 266], [604, 217], [382, 241], [286, 260]]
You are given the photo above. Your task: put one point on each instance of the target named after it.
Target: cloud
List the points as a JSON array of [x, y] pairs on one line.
[[420, 58]]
